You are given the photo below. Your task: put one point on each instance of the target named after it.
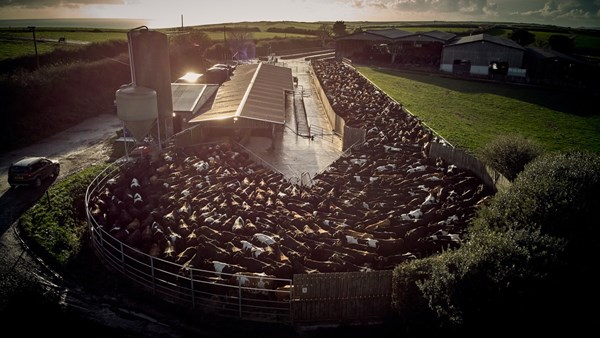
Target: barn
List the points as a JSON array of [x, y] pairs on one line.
[[363, 45], [483, 55], [550, 67], [421, 49], [254, 101]]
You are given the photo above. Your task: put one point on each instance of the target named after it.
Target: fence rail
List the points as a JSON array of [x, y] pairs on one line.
[[198, 289], [311, 299]]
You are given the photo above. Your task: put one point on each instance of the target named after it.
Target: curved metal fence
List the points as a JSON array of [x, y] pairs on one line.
[[218, 293]]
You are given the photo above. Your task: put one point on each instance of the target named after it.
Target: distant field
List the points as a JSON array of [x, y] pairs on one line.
[[470, 114], [70, 34], [218, 36], [9, 48], [265, 25], [12, 47]]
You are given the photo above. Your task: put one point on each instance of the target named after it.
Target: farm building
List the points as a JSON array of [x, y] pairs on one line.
[[255, 100], [548, 66], [394, 46], [364, 44], [420, 49], [190, 100], [485, 55]]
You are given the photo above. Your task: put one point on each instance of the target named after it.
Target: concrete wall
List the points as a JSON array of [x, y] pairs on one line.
[[350, 135]]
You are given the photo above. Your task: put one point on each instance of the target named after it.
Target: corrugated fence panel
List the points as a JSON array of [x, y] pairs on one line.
[[341, 297]]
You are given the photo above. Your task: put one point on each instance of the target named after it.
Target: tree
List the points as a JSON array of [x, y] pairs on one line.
[[238, 40], [509, 154], [339, 28], [561, 43], [324, 32], [522, 36], [357, 30]]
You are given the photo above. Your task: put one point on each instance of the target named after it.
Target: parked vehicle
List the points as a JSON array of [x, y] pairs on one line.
[[31, 171]]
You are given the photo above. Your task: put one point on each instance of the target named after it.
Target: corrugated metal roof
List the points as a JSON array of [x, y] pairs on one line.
[[376, 34], [425, 36], [255, 91], [390, 33], [488, 38], [190, 97], [445, 36]]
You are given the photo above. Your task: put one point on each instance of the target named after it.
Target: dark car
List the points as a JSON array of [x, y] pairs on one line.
[[31, 171]]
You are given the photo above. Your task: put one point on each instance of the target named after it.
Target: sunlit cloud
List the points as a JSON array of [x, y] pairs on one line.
[[168, 13]]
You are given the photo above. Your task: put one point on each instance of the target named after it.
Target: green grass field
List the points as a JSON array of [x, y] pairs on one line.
[[79, 35], [11, 45], [218, 36], [15, 48], [469, 114], [11, 48]]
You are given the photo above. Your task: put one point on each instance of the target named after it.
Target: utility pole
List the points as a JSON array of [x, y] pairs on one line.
[[224, 44], [37, 58]]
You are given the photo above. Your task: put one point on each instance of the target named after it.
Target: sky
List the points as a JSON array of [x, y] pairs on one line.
[[167, 13]]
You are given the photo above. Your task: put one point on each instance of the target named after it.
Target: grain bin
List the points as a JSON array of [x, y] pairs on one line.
[[137, 108], [149, 53]]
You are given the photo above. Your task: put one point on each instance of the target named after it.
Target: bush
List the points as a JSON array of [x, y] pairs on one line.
[[557, 194], [509, 154], [497, 276], [61, 96], [527, 260]]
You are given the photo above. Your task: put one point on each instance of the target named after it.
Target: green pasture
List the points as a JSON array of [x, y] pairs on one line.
[[75, 35], [218, 36], [15, 48], [469, 114], [265, 25], [14, 44]]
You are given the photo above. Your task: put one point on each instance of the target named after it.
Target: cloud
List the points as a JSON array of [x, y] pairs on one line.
[[366, 3], [55, 3], [557, 12], [566, 9], [443, 6]]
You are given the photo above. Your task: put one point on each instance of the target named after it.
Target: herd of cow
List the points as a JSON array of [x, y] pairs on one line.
[[383, 202]]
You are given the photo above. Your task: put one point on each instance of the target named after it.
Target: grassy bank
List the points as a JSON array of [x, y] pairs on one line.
[[469, 114], [57, 224]]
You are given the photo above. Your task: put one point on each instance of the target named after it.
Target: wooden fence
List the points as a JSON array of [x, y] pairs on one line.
[[345, 297]]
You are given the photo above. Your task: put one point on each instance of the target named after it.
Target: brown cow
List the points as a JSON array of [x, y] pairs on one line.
[[253, 282]]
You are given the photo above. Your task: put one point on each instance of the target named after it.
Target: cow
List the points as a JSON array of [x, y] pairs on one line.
[[253, 282]]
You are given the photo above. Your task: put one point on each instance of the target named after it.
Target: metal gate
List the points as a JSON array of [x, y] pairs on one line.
[[344, 297]]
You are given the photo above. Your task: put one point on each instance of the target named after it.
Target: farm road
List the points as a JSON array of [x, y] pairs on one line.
[[75, 148], [90, 292]]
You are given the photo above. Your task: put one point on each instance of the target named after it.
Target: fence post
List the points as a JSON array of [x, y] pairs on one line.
[[153, 278], [192, 288], [122, 256], [240, 295]]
